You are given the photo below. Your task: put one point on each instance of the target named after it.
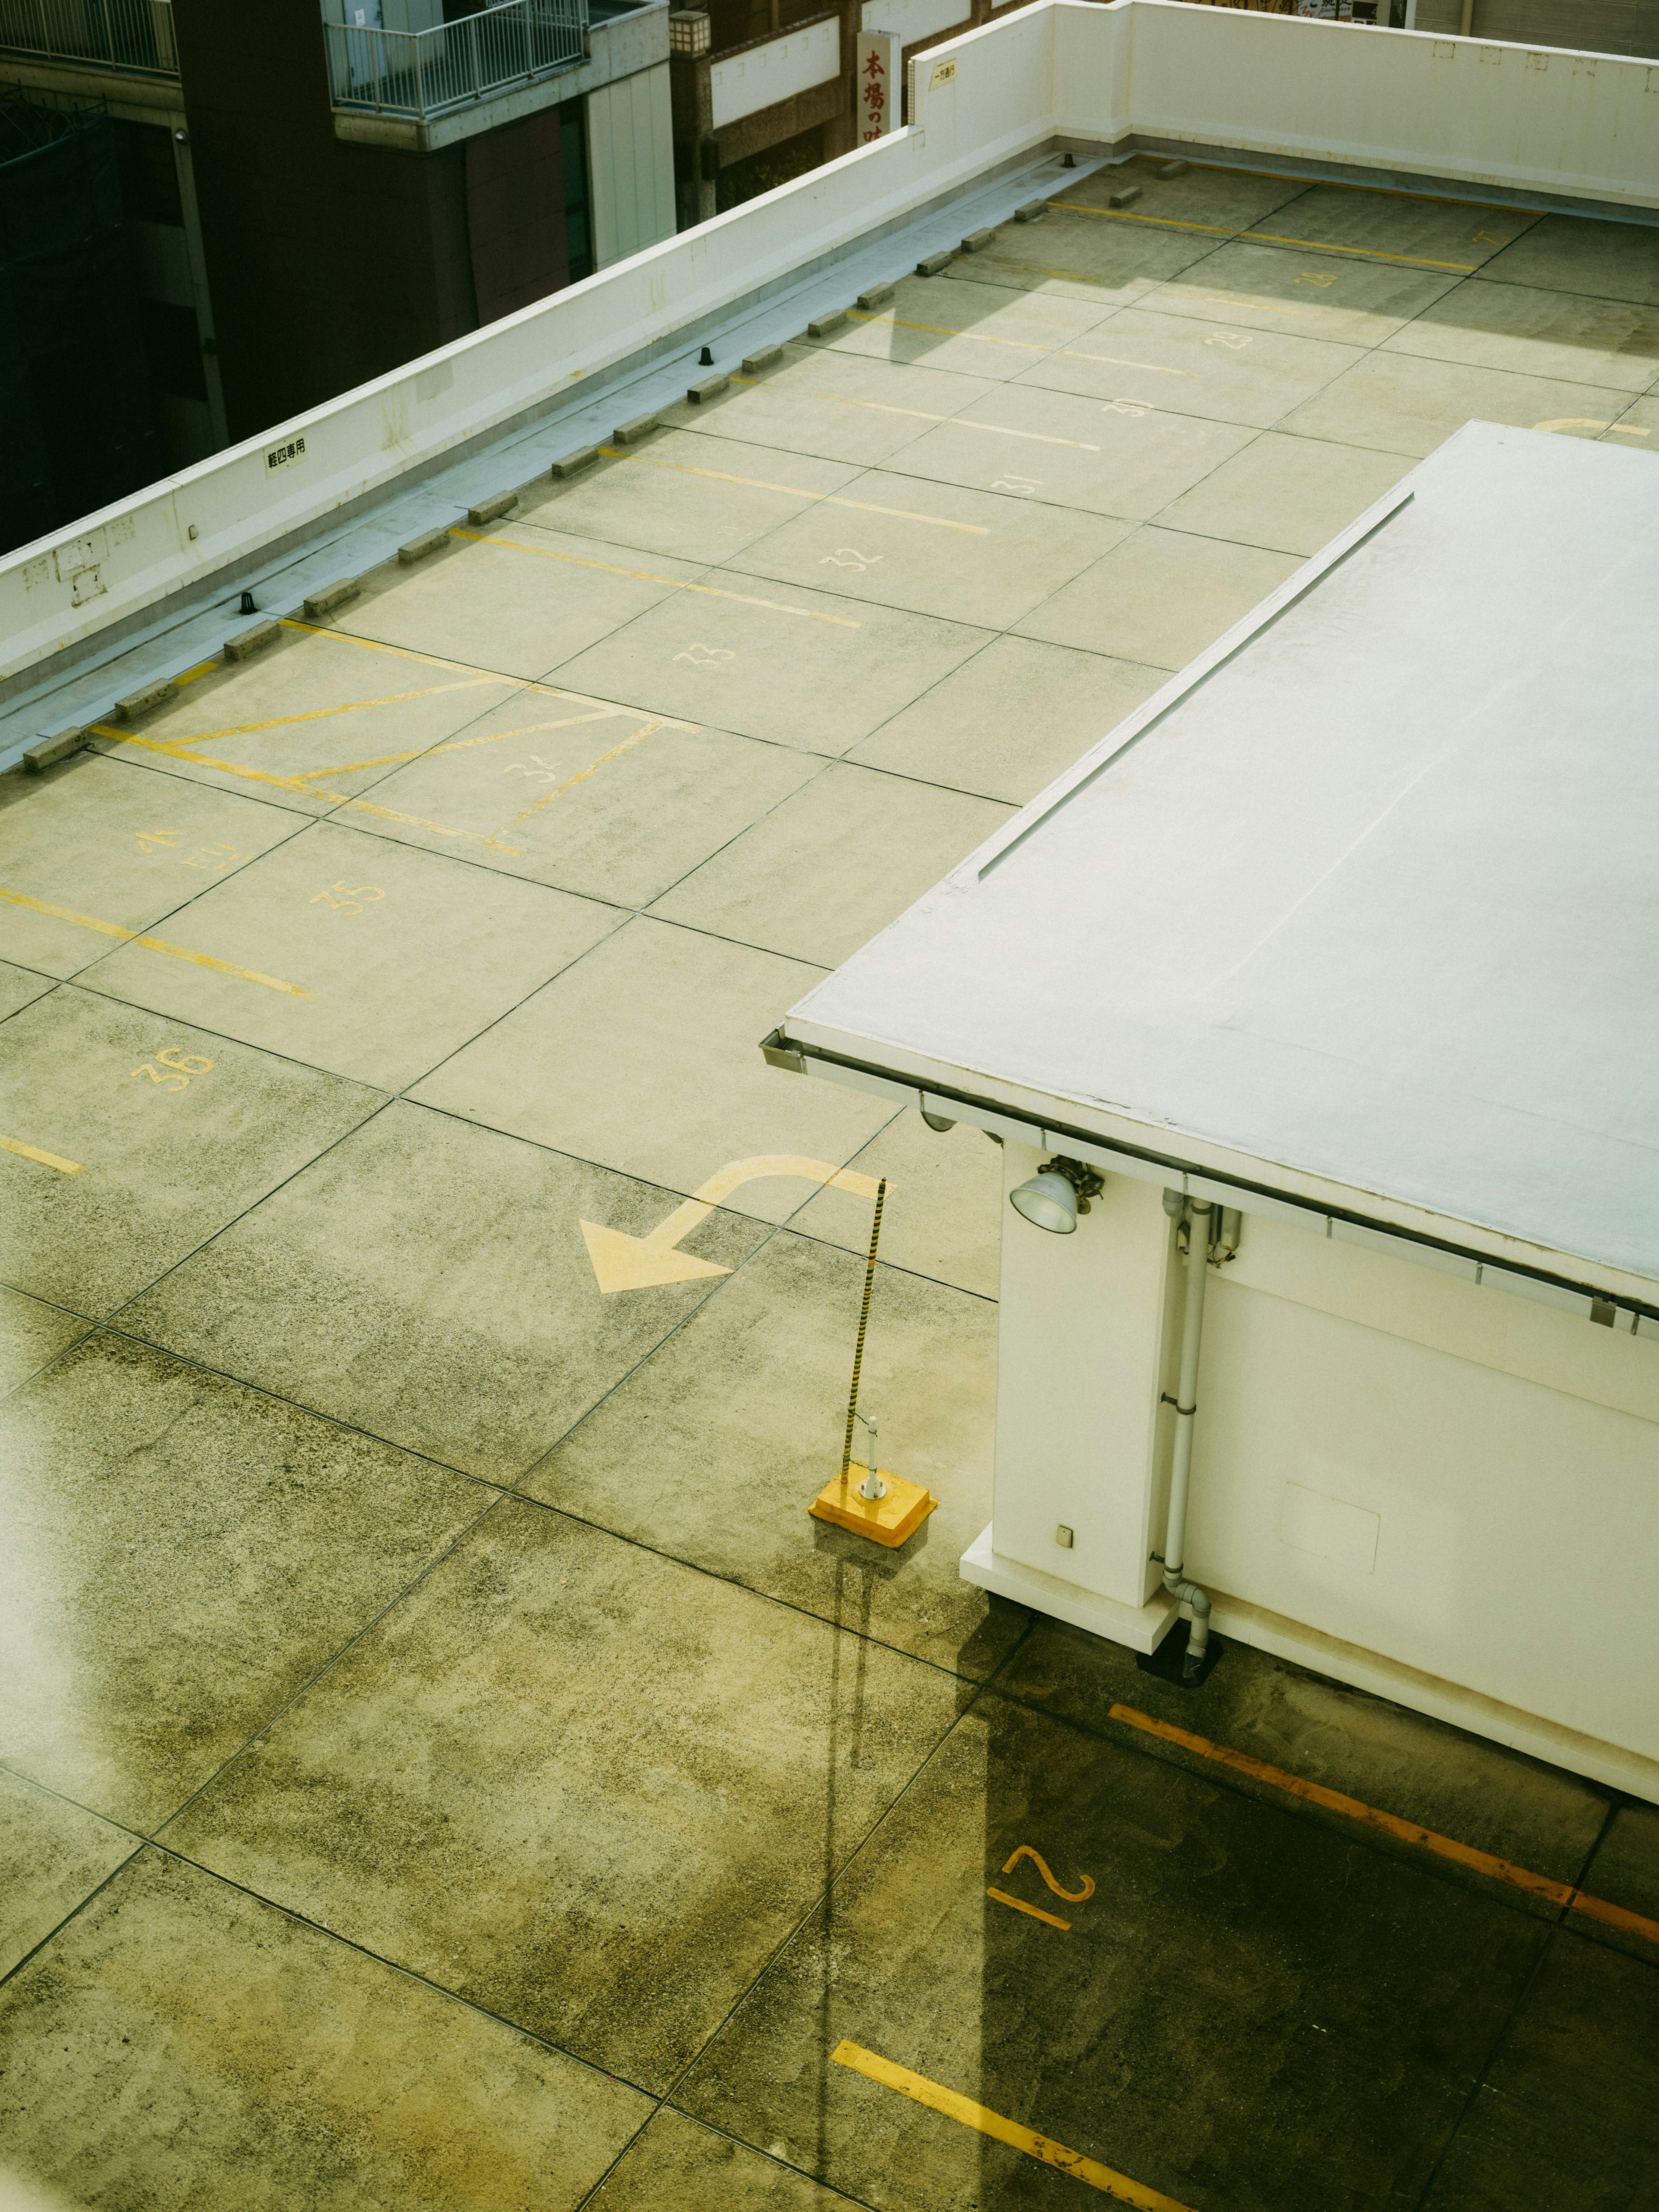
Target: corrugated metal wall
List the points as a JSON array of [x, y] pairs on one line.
[[631, 151]]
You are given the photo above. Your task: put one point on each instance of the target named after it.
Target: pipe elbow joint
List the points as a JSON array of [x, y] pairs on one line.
[[1188, 1593]]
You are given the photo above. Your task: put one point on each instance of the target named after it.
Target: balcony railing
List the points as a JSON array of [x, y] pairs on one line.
[[133, 36], [428, 73]]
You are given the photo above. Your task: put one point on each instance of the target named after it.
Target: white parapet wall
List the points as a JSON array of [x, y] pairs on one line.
[[1574, 126]]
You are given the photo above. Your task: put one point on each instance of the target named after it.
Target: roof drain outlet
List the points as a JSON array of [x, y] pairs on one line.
[[1181, 1473]]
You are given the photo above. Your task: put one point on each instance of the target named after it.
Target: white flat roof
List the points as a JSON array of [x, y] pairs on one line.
[[1374, 900]]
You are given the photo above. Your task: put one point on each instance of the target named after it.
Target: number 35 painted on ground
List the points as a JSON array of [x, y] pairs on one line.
[[346, 899]]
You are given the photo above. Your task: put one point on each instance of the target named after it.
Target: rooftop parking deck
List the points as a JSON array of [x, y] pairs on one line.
[[433, 1726]]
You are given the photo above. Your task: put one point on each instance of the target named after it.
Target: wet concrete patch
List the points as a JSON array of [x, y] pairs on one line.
[[715, 1450], [582, 1785], [1242, 2013], [181, 2045], [1476, 1793], [184, 1554], [430, 1282]]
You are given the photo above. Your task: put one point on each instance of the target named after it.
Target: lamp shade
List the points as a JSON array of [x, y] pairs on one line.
[[1048, 1199]]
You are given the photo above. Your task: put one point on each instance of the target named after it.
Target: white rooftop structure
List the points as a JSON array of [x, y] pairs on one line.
[[1351, 909]]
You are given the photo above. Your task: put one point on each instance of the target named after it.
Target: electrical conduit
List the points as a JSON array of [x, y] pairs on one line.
[[1181, 1473]]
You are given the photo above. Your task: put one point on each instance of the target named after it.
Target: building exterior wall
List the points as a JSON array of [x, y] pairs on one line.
[[515, 215], [1463, 1481], [631, 164], [1069, 69], [332, 261]]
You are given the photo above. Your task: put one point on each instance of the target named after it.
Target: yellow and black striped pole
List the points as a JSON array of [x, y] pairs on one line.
[[863, 1316]]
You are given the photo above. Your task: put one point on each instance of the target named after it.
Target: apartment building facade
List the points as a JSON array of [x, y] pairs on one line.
[[319, 193]]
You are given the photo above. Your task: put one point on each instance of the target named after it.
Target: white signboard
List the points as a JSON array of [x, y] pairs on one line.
[[878, 60]]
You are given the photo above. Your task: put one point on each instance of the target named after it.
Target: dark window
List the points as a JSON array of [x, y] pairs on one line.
[[578, 214], [173, 347], [149, 182]]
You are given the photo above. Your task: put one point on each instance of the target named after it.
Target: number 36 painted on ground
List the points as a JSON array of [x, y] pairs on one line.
[[176, 1068]]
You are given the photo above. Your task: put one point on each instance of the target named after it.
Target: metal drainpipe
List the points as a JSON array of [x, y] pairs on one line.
[[1181, 1473]]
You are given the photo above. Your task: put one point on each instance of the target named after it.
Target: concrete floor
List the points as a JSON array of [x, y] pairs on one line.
[[441, 1764]]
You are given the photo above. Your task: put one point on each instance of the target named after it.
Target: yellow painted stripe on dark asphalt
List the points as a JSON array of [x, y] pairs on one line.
[[939, 2099], [1445, 1847]]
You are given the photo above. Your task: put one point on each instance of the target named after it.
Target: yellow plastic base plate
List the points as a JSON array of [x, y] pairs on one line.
[[892, 1520]]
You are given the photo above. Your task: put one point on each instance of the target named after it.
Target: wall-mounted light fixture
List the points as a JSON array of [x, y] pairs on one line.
[[689, 31], [1056, 1194]]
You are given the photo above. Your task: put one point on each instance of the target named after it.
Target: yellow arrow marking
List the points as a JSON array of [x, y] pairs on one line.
[[622, 1262], [1587, 422], [46, 1160]]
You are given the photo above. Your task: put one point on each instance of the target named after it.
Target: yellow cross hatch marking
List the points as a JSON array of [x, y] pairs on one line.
[[464, 667], [346, 706], [153, 944], [938, 2099]]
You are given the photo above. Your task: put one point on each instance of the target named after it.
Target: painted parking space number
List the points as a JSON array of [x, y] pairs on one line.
[[347, 898], [1034, 1911], [171, 1069]]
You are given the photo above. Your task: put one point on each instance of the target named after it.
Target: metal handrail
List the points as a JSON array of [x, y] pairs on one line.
[[133, 36], [423, 74]]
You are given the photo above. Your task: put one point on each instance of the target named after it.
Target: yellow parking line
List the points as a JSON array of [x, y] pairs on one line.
[[438, 660], [1267, 238], [1365, 252], [1163, 222], [1073, 276], [346, 706], [461, 745], [153, 944], [1239, 304], [958, 422], [639, 736], [939, 2099], [646, 576], [1445, 1847], [825, 499], [33, 1152], [416, 822], [195, 760], [1023, 345]]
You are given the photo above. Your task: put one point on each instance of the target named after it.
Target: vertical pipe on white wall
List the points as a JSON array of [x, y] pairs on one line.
[[1180, 1473]]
